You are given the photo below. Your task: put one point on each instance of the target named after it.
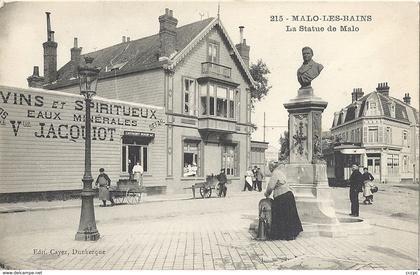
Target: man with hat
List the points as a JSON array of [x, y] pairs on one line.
[[222, 183]]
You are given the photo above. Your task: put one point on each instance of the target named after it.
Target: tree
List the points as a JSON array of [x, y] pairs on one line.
[[259, 73]]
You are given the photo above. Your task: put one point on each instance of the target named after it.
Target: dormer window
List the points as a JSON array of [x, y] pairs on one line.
[[392, 109]]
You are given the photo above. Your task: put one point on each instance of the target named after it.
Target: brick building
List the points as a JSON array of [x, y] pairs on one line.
[[200, 78], [379, 132]]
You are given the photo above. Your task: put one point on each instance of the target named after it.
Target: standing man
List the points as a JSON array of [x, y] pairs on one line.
[[356, 182], [222, 183], [138, 173], [259, 177]]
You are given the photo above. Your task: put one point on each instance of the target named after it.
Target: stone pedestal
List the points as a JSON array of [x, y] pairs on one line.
[[306, 172]]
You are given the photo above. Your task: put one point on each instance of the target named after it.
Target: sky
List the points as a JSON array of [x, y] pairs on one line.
[[384, 49]]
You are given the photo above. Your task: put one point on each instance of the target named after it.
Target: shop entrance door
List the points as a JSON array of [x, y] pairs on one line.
[[131, 154], [374, 167]]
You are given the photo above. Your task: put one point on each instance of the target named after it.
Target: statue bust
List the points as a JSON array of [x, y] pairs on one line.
[[309, 69]]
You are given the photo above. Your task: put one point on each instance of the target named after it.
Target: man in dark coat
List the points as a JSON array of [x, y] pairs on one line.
[[356, 182], [222, 183]]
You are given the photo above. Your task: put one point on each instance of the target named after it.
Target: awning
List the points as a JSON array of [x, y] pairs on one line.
[[353, 151]]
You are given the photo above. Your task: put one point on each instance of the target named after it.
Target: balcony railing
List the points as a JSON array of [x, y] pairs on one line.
[[216, 69], [216, 125]]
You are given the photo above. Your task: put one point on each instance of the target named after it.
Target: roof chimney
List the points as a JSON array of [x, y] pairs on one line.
[[242, 47], [50, 54], [128, 39], [407, 99], [123, 39], [356, 94], [167, 33], [383, 88], [75, 54], [35, 81], [241, 33]]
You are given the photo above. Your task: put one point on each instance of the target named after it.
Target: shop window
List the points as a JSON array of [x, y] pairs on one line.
[[191, 157], [134, 150], [188, 87], [230, 160], [393, 165], [373, 134]]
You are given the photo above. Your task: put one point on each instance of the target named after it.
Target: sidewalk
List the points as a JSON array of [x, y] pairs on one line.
[[57, 204]]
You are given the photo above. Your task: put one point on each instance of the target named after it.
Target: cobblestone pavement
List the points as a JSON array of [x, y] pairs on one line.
[[209, 234]]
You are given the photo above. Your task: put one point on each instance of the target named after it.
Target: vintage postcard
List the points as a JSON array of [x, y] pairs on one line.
[[231, 135]]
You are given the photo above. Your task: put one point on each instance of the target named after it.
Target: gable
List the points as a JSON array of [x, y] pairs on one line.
[[216, 23]]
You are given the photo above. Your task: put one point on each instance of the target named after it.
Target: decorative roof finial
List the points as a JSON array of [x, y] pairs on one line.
[[218, 10]]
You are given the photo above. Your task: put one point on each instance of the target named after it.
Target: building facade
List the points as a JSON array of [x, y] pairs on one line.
[[42, 143], [379, 132], [196, 74]]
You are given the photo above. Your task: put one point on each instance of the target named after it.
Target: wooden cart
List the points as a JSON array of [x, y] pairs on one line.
[[127, 192], [206, 187]]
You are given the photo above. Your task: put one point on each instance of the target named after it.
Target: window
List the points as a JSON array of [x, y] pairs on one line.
[[221, 102], [405, 163], [373, 105], [393, 165], [352, 139], [358, 135], [392, 109], [191, 155], [405, 138], [238, 104], [388, 135], [373, 134], [212, 95], [213, 52], [134, 150], [203, 99], [232, 103], [188, 87], [229, 160]]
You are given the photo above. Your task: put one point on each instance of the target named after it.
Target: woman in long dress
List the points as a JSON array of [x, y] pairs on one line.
[[286, 224]]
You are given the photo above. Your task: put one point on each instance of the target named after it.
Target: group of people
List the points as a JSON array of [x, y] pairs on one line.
[[360, 183], [253, 179], [103, 182]]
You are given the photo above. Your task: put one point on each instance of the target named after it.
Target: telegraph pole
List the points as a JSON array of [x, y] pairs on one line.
[[264, 128]]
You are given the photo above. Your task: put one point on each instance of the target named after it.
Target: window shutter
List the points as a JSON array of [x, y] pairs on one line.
[[365, 133]]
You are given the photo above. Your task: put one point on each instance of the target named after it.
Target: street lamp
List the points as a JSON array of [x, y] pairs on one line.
[[88, 77]]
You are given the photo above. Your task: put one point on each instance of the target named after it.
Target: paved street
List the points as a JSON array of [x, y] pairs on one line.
[[209, 234]]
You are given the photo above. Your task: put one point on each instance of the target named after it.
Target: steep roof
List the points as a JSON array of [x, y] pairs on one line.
[[142, 54], [401, 109], [136, 55]]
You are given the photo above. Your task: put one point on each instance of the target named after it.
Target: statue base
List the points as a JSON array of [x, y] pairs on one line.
[[315, 205]]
